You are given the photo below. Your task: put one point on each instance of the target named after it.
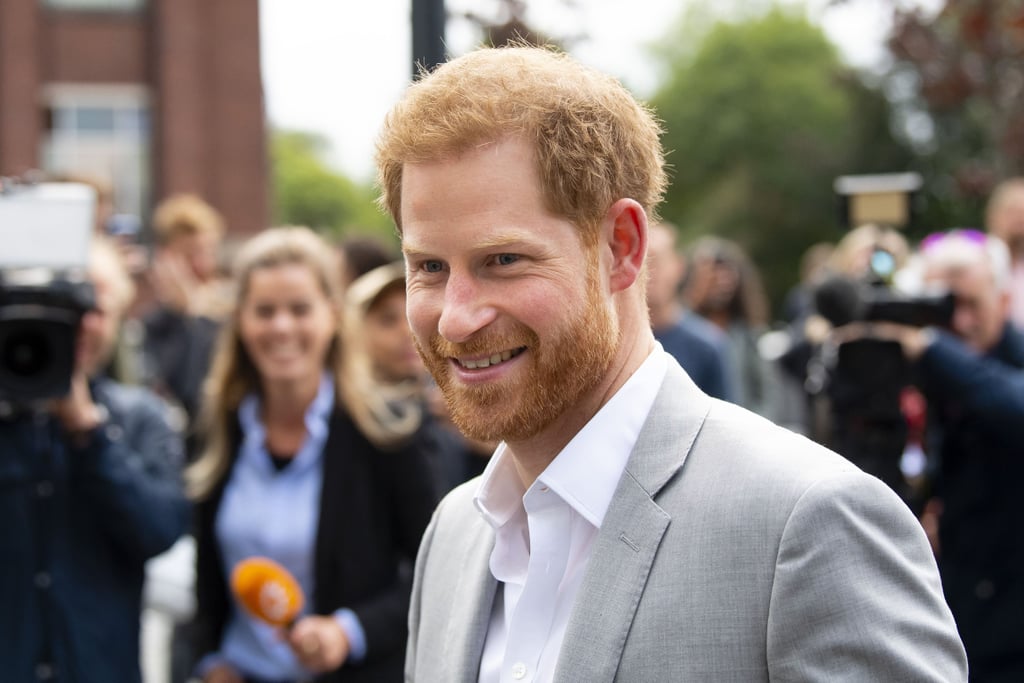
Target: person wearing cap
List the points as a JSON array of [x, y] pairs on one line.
[[377, 298], [376, 323]]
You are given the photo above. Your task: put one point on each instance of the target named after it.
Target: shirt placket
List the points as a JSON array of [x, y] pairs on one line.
[[549, 522]]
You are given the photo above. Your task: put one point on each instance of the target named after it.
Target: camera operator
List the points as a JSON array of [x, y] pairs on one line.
[[855, 390], [89, 490], [973, 378]]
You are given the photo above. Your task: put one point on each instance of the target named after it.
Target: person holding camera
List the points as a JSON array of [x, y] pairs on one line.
[[972, 376], [90, 489]]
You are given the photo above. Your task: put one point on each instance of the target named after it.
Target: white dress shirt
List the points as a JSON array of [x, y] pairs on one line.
[[544, 535]]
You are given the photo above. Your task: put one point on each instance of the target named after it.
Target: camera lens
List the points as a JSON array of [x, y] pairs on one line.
[[883, 264], [25, 354]]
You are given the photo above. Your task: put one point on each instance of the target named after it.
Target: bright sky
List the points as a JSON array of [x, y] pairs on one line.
[[335, 66]]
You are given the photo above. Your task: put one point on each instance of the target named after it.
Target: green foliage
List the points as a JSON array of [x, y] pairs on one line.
[[955, 77], [307, 192], [760, 117]]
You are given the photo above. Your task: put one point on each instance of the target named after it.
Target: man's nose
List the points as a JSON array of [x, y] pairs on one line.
[[466, 309]]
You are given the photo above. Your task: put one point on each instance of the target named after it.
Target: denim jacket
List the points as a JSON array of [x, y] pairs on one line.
[[79, 520]]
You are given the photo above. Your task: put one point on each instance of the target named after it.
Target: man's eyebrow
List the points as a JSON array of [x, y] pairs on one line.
[[507, 240], [413, 252], [504, 240]]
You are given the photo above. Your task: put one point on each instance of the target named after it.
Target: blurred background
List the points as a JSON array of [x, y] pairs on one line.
[[775, 115], [269, 109]]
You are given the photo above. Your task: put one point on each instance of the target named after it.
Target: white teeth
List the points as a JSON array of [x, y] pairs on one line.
[[487, 362]]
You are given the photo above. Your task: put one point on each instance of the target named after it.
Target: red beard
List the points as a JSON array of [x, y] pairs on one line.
[[562, 370]]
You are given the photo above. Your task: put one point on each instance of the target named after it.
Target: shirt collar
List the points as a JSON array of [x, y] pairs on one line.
[[587, 471], [316, 418]]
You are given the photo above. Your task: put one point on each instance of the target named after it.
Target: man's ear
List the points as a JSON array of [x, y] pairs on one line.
[[626, 235]]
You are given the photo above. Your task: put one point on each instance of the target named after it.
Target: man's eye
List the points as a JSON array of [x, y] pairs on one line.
[[506, 259], [432, 266]]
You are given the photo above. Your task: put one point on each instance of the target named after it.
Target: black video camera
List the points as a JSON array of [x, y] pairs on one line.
[[869, 371], [45, 231], [842, 300], [864, 378]]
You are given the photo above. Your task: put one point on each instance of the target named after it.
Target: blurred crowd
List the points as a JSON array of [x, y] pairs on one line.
[[265, 397]]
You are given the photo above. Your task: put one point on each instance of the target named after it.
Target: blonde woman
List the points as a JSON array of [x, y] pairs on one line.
[[301, 465]]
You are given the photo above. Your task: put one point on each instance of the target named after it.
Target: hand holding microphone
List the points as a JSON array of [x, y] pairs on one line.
[[267, 591], [271, 594], [319, 643]]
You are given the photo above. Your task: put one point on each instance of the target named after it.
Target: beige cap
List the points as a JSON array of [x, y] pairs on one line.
[[365, 289]]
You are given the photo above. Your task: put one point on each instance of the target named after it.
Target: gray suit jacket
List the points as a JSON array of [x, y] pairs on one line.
[[733, 550]]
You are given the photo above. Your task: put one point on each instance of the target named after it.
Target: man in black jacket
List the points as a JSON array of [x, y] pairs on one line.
[[973, 378]]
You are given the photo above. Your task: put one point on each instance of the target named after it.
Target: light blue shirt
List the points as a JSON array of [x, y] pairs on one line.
[[274, 513]]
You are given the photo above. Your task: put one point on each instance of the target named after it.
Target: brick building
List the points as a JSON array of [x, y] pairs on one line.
[[154, 96]]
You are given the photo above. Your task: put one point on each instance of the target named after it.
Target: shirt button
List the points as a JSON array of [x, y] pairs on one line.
[[44, 489], [518, 671], [44, 672], [42, 580]]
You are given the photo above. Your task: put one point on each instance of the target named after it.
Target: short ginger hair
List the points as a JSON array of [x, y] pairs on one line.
[[594, 143]]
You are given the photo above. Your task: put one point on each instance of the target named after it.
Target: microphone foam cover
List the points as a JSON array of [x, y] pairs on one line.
[[267, 590]]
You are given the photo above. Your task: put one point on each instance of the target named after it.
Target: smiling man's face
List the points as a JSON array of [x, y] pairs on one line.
[[507, 306]]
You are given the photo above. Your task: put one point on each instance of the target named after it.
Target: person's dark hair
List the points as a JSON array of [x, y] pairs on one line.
[[749, 302], [363, 253]]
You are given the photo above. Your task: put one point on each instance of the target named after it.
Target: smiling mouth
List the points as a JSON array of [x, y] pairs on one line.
[[494, 359]]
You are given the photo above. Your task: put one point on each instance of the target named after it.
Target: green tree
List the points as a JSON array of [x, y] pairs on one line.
[[307, 192], [957, 78], [761, 116]]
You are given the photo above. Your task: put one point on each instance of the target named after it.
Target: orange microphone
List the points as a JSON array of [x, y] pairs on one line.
[[267, 591]]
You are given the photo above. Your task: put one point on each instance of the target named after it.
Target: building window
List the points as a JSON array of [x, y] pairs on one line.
[[97, 5], [101, 131]]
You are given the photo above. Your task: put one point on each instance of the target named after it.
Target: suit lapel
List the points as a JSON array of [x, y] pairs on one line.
[[472, 599], [630, 534]]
